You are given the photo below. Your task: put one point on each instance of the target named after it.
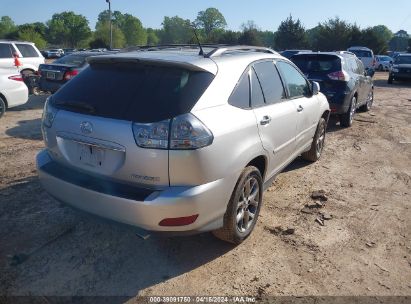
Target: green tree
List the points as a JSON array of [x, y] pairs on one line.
[[68, 29], [30, 34], [250, 34], [290, 35], [133, 31], [229, 37], [334, 34], [383, 32], [398, 44], [176, 30], [267, 38], [102, 34], [374, 41], [152, 37], [7, 26], [211, 20]]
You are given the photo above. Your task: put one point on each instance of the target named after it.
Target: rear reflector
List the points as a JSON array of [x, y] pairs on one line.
[[179, 221], [16, 78]]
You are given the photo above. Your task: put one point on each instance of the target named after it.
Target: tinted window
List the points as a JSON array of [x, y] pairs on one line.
[[133, 92], [297, 85], [27, 50], [361, 54], [72, 60], [5, 50], [360, 67], [241, 95], [257, 98], [317, 63], [403, 60], [270, 81]]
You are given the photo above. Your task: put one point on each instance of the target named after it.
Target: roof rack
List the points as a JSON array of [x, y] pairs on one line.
[[216, 49]]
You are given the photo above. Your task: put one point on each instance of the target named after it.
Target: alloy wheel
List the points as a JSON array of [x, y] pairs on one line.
[[247, 205]]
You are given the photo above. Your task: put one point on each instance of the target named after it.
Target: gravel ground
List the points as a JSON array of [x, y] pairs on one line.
[[363, 248]]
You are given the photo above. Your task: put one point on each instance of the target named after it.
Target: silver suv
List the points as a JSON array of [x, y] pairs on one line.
[[173, 140]]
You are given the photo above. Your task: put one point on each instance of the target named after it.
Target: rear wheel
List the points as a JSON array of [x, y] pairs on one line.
[[347, 118], [317, 145], [243, 209], [2, 107], [390, 79], [381, 68]]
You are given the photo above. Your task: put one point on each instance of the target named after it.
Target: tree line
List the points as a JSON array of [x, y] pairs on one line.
[[71, 30]]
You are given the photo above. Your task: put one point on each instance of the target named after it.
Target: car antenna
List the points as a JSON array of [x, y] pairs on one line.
[[198, 40]]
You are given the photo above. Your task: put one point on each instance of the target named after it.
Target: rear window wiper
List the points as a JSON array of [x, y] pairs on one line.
[[76, 105]]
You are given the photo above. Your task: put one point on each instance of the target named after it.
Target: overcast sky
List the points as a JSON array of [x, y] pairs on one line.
[[266, 14]]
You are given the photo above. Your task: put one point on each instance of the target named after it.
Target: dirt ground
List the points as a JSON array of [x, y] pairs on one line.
[[364, 249]]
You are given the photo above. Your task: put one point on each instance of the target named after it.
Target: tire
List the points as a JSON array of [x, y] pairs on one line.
[[236, 228], [317, 145], [380, 68], [368, 104], [2, 107], [390, 79], [347, 118], [26, 73], [36, 91]]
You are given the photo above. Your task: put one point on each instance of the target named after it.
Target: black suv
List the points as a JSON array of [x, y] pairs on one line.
[[401, 68], [342, 78]]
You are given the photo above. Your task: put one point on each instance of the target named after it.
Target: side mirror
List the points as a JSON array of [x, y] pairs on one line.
[[316, 87]]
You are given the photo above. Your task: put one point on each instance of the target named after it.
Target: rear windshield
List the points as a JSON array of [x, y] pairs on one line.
[[317, 63], [361, 54], [72, 60], [403, 60], [140, 93]]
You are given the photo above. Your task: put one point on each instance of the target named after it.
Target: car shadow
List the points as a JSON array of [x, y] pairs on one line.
[[26, 129], [382, 83], [34, 102], [298, 163], [55, 250]]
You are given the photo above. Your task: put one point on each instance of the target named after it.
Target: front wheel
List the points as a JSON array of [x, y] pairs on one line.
[[347, 118], [317, 145], [243, 208], [368, 104], [390, 79]]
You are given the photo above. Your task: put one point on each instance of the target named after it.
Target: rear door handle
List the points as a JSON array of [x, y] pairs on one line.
[[300, 108], [265, 121]]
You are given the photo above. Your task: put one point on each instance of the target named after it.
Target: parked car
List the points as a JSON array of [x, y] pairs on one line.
[[56, 74], [29, 56], [366, 56], [53, 53], [160, 140], [401, 68], [13, 91], [342, 79], [383, 63], [289, 53]]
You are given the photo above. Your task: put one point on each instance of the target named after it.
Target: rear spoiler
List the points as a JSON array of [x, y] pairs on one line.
[[147, 61]]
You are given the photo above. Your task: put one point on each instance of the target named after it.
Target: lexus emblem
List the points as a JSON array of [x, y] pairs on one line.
[[86, 127]]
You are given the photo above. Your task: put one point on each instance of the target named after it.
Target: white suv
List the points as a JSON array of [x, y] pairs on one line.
[[177, 141], [29, 56]]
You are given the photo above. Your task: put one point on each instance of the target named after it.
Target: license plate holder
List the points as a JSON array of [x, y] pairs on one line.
[[51, 75], [91, 155]]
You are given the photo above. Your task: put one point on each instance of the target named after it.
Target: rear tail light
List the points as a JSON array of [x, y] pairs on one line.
[[184, 132], [178, 221], [339, 75], [70, 74], [16, 77]]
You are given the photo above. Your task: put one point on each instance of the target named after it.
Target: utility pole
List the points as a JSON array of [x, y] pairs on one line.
[[111, 24]]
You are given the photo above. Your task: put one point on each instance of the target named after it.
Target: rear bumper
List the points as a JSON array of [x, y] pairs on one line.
[[147, 208], [339, 103], [17, 96], [49, 86]]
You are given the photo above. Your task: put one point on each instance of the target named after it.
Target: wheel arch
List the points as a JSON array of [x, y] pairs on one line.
[[4, 99], [260, 162]]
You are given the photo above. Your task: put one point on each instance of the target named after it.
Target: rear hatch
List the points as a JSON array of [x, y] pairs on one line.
[[322, 68], [96, 112], [365, 56]]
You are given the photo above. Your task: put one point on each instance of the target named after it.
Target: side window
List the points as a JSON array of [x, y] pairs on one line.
[[5, 50], [27, 50], [257, 97], [270, 81], [297, 85], [240, 97], [360, 67]]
